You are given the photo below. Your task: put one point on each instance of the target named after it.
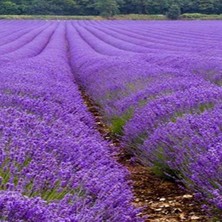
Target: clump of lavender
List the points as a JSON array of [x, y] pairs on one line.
[[54, 166], [159, 91], [190, 149]]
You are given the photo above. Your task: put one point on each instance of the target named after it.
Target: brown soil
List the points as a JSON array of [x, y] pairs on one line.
[[160, 200], [163, 200]]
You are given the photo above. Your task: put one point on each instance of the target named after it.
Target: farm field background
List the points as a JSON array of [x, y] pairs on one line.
[[158, 88]]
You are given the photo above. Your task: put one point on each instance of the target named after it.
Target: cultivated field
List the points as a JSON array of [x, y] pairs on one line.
[[158, 88]]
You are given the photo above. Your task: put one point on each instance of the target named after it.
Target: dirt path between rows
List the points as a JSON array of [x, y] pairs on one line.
[[160, 200]]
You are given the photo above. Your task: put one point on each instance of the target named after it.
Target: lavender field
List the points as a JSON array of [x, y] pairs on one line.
[[158, 88]]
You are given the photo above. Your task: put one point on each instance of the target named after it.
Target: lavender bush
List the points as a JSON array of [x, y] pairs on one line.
[[191, 149], [158, 85], [54, 166]]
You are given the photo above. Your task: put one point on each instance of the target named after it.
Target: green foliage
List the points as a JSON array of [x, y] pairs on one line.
[[192, 16], [160, 167], [206, 6], [140, 17], [50, 17], [107, 8], [117, 125], [174, 12], [118, 122], [9, 8], [48, 193]]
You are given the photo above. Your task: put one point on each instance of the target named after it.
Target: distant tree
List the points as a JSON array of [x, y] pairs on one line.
[[107, 8], [190, 6], [159, 7], [85, 7], [63, 7], [38, 7], [206, 6], [9, 8], [140, 6], [174, 12], [144, 6], [218, 6]]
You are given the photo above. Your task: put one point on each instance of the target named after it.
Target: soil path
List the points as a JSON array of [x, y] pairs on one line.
[[160, 200]]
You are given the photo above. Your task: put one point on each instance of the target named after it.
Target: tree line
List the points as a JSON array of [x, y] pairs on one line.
[[108, 7]]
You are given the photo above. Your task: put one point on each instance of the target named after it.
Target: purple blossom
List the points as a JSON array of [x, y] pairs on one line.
[[54, 165]]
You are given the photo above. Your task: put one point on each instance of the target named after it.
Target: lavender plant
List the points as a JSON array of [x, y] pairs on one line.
[[159, 85], [54, 165]]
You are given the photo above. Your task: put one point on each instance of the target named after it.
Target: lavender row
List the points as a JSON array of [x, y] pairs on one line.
[[168, 108], [54, 165], [194, 145], [193, 52], [21, 41], [163, 99], [31, 48], [167, 42]]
